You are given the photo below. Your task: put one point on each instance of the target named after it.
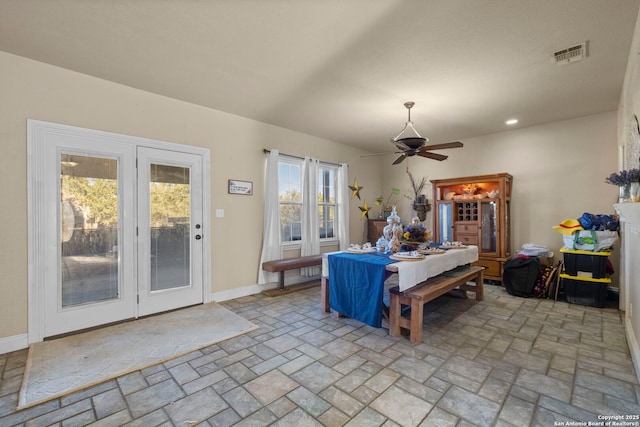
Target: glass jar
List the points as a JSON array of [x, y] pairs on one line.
[[634, 191], [625, 193]]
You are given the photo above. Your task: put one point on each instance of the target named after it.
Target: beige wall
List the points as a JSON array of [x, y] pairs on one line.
[[33, 90]]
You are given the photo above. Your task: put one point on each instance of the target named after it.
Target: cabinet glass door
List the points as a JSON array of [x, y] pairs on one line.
[[507, 226], [489, 224], [445, 216]]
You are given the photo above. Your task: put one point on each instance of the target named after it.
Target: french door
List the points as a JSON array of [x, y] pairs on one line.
[[116, 229], [169, 230], [89, 235]]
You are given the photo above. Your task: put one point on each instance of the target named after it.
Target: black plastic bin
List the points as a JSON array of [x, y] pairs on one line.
[[585, 264], [585, 291], [520, 275]]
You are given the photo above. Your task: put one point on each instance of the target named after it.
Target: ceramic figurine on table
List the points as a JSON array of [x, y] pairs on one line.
[[387, 231], [394, 244], [393, 231], [392, 220]]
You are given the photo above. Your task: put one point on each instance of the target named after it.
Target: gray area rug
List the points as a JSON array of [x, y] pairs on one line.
[[61, 366]]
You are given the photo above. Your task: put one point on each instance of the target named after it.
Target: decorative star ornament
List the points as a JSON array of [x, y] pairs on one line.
[[355, 189], [365, 210]]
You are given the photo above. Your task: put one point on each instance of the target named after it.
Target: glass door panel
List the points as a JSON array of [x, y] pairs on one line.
[[507, 231], [170, 219], [489, 224], [89, 229], [445, 224]]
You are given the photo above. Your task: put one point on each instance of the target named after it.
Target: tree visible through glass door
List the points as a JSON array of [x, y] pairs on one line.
[[89, 227], [170, 220]]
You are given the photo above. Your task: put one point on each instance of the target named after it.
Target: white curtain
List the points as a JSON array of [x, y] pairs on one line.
[[310, 225], [342, 202], [271, 239]]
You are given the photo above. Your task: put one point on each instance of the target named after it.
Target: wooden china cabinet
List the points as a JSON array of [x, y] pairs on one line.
[[475, 210]]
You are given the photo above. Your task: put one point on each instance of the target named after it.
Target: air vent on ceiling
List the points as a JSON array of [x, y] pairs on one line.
[[570, 54]]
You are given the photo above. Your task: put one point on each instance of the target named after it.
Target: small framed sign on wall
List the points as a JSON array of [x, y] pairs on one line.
[[240, 187]]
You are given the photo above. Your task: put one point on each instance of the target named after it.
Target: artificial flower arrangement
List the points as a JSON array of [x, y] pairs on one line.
[[416, 233], [420, 204], [381, 201], [624, 177]]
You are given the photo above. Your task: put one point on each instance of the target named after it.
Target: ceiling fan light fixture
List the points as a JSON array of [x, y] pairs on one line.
[[410, 143], [409, 136]]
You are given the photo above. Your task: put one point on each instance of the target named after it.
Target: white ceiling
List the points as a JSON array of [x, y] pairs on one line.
[[342, 69]]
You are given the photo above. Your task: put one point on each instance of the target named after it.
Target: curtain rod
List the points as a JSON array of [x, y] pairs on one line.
[[267, 151]]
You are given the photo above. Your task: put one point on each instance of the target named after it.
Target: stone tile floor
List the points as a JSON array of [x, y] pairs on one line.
[[505, 361]]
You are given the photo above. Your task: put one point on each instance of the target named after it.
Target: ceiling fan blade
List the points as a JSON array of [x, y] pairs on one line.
[[400, 159], [456, 144], [433, 156]]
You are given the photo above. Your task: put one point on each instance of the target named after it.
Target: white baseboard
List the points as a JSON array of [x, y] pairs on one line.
[[13, 343], [256, 289], [241, 292], [634, 349]]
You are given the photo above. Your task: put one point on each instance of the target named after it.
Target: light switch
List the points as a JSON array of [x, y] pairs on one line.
[[219, 213]]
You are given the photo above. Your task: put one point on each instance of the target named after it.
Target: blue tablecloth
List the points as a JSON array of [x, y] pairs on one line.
[[356, 285]]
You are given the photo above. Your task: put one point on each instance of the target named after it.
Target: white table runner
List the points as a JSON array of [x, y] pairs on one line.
[[410, 273]]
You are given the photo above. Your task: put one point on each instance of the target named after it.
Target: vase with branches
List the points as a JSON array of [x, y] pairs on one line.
[[420, 204]]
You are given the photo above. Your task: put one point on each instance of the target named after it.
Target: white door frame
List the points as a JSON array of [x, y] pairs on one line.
[[38, 135]]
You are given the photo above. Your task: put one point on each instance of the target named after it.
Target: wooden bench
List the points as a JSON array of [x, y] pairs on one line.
[[429, 290], [282, 265]]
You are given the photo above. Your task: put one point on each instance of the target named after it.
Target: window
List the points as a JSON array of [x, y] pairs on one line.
[[290, 194], [326, 201], [290, 189]]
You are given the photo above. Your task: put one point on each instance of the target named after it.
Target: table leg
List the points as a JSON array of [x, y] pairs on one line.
[[415, 335], [480, 286], [394, 315], [324, 295]]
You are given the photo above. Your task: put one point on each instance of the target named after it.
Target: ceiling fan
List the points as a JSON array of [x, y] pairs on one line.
[[410, 143]]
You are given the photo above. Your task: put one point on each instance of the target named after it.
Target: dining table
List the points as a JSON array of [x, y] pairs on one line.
[[353, 281]]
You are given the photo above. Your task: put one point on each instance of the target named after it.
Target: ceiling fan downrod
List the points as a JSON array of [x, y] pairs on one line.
[[409, 141], [409, 105]]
